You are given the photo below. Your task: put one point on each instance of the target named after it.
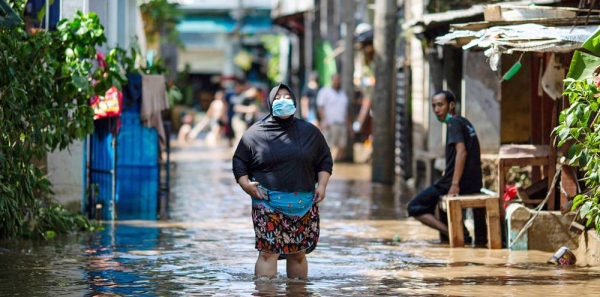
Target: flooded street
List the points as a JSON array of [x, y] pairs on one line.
[[206, 248]]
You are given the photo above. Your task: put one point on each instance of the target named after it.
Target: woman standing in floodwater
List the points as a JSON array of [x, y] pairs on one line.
[[284, 164]]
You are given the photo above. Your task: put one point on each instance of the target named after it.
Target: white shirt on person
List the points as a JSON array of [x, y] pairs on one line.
[[334, 104]]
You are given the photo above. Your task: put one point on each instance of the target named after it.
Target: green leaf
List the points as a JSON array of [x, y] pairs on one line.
[[582, 65], [578, 200], [570, 119], [585, 209], [592, 44], [584, 159], [589, 221], [81, 82], [564, 133], [573, 150]]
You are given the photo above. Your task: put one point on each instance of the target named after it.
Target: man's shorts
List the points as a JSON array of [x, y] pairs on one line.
[[426, 201], [336, 135]]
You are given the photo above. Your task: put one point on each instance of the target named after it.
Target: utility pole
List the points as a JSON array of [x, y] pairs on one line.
[[347, 74], [383, 99]]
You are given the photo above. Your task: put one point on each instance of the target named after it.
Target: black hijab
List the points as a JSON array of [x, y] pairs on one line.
[[276, 124]]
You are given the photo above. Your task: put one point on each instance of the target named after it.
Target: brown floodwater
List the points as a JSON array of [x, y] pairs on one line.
[[368, 247]]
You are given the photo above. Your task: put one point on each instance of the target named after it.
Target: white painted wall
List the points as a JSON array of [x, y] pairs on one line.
[[421, 115], [65, 168]]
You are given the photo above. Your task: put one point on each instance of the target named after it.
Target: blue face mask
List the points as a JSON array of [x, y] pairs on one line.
[[446, 120], [283, 107]]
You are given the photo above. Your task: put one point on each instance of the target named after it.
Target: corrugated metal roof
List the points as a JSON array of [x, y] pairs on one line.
[[523, 37], [431, 19]]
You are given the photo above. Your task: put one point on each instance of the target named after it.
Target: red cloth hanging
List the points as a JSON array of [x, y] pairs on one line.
[[109, 105]]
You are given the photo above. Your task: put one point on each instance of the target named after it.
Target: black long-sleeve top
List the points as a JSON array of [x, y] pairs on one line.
[[282, 154]]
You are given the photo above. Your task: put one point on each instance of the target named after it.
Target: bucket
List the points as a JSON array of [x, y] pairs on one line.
[[563, 256]]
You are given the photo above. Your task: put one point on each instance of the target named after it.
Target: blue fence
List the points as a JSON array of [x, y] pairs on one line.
[[138, 171], [101, 187]]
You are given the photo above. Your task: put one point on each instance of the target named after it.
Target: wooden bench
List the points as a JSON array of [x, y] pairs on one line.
[[455, 206]]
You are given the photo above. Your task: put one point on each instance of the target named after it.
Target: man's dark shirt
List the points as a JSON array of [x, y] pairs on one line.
[[461, 130]]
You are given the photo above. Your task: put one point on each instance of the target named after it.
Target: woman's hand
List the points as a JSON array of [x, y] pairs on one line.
[[319, 194], [250, 187]]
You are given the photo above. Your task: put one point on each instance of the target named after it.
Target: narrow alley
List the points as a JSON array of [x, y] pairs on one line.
[[206, 248]]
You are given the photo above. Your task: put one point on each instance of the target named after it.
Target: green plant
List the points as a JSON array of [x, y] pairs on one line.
[[579, 126], [46, 81], [161, 18], [130, 61], [272, 45]]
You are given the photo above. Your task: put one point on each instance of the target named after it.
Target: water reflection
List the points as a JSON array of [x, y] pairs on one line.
[[207, 249], [283, 287]]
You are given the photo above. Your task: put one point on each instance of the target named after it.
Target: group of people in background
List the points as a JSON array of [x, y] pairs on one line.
[[233, 111], [229, 114]]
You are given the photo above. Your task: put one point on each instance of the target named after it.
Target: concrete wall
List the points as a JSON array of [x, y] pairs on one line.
[[70, 7], [65, 167], [588, 252], [434, 81], [65, 171], [420, 80], [481, 100], [120, 21], [548, 232]]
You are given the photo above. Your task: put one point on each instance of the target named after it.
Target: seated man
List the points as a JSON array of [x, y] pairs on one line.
[[462, 174]]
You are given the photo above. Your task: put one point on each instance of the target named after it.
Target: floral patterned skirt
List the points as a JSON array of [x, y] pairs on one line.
[[276, 232]]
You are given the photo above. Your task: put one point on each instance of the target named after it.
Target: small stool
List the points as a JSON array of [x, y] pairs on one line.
[[455, 205]]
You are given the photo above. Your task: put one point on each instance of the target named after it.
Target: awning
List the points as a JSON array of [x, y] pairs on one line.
[[283, 8], [257, 25], [214, 24], [206, 25], [444, 18], [430, 21], [520, 38]]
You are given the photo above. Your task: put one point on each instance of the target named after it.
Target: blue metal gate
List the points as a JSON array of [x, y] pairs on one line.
[[101, 194], [138, 168]]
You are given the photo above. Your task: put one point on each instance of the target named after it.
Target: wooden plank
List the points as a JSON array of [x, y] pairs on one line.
[[455, 224], [492, 217], [470, 197], [476, 26], [528, 202], [574, 9], [475, 203], [536, 161], [472, 201], [501, 181], [515, 110], [492, 13], [551, 171], [527, 151]]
